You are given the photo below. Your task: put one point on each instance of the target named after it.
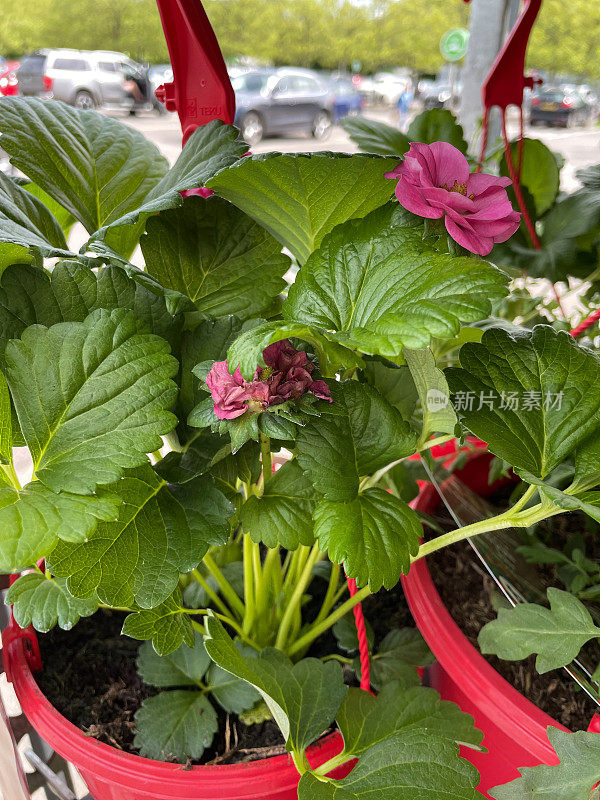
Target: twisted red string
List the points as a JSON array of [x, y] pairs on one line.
[[363, 645], [517, 187], [484, 139], [587, 323]]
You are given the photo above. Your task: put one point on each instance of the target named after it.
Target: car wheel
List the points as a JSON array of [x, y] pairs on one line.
[[252, 128], [321, 127], [84, 100]]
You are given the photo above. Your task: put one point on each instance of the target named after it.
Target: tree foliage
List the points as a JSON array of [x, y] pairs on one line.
[[317, 33]]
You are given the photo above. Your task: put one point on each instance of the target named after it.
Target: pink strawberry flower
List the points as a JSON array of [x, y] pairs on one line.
[[231, 393], [288, 373], [434, 182], [286, 376]]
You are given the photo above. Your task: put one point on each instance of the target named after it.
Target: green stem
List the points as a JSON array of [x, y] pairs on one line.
[[328, 600], [373, 480], [267, 462], [110, 608], [509, 519], [530, 492], [249, 599], [333, 763], [227, 620], [296, 599], [436, 441], [315, 631], [211, 592], [337, 657], [228, 593]]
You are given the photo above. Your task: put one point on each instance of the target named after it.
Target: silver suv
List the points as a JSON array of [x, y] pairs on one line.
[[83, 78]]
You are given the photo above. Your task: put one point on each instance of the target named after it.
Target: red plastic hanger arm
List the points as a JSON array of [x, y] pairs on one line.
[[201, 90]]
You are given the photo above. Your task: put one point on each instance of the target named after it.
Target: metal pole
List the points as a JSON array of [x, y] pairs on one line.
[[491, 20]]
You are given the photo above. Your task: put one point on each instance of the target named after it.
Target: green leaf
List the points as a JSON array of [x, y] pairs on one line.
[[572, 217], [539, 172], [34, 518], [246, 352], [179, 724], [355, 435], [5, 423], [185, 666], [437, 125], [42, 602], [301, 198], [438, 413], [371, 136], [25, 220], [394, 383], [303, 697], [411, 765], [373, 536], [407, 644], [400, 652], [346, 634], [556, 634], [572, 779], [15, 254], [365, 720], [166, 625], [217, 256], [162, 530], [231, 693], [93, 165], [64, 218], [30, 295], [103, 390], [377, 285], [211, 147], [283, 515], [555, 381]]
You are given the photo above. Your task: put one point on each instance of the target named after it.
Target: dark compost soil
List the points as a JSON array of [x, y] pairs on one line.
[[469, 593], [90, 677]]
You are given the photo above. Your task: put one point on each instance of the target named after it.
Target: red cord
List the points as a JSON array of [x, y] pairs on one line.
[[517, 187], [587, 323], [363, 645], [484, 139], [521, 141]]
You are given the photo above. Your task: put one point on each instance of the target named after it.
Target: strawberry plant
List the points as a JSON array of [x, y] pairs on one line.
[[210, 438]]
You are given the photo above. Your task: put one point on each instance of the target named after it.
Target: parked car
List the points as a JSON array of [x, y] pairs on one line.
[[82, 78], [282, 101], [158, 74], [434, 94], [554, 106], [9, 83], [388, 87], [347, 100]]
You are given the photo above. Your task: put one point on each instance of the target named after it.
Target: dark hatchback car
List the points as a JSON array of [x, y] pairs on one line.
[[556, 107], [282, 101]]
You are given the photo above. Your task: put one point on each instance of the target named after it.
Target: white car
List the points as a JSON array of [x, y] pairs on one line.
[[82, 78]]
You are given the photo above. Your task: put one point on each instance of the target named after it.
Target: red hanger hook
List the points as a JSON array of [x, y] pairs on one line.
[[201, 90]]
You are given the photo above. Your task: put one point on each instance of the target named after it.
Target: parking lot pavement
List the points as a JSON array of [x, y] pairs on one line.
[[579, 147]]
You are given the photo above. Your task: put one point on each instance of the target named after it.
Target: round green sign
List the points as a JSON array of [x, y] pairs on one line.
[[453, 44]]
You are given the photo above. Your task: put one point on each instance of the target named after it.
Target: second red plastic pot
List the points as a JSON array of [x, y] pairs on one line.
[[514, 728]]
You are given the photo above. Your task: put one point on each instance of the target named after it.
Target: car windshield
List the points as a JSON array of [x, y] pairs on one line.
[[250, 82]]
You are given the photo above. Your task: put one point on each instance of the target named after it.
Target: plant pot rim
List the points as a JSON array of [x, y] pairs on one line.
[[128, 769], [501, 702]]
